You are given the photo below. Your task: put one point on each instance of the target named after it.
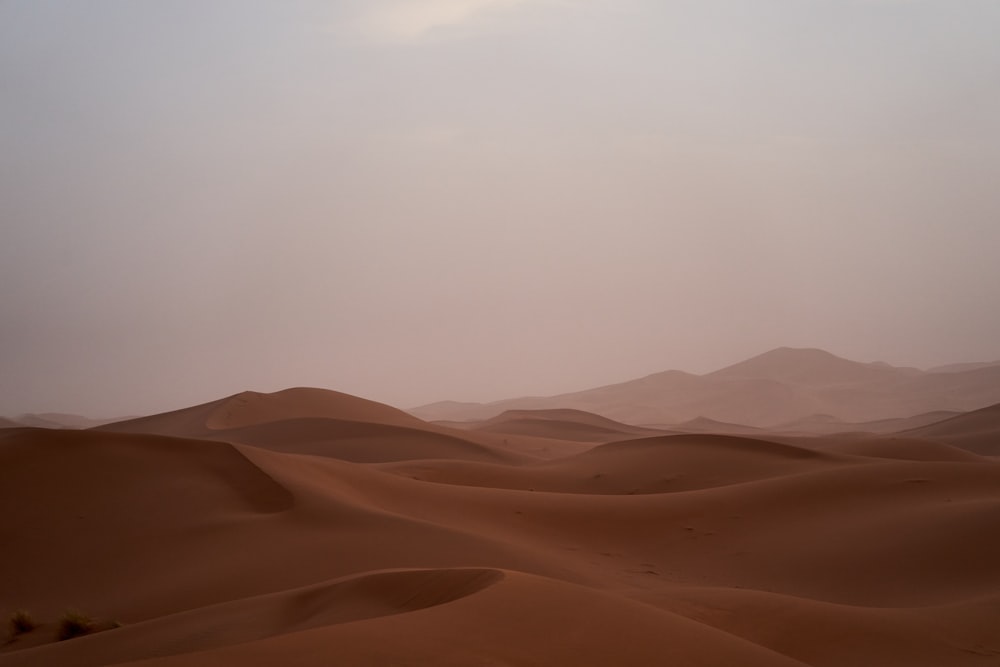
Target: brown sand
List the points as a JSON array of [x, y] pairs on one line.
[[315, 528]]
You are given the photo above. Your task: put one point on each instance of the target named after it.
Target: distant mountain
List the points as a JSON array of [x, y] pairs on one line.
[[809, 367], [778, 387]]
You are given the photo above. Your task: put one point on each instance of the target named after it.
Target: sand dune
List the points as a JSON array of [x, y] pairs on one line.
[[323, 423], [275, 532], [977, 431], [891, 447], [520, 620], [828, 424], [714, 427], [250, 408], [346, 600], [566, 424], [666, 464], [363, 442], [825, 634]]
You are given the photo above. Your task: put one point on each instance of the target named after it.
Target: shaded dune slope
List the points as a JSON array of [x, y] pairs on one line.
[[825, 634], [977, 431], [664, 464], [345, 600], [564, 424], [363, 442], [903, 448]]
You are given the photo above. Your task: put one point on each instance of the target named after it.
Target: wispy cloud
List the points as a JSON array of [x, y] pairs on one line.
[[411, 20]]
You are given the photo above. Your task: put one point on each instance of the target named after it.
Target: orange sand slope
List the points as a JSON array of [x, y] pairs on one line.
[[314, 528]]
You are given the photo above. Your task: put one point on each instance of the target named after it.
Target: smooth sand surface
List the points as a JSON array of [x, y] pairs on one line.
[[314, 528]]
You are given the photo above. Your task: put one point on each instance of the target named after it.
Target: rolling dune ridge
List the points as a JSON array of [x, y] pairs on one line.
[[309, 526]]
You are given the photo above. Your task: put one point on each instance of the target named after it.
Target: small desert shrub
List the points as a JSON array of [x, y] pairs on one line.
[[74, 624], [21, 623]]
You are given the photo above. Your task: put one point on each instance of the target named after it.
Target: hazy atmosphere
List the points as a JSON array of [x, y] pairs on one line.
[[475, 199]]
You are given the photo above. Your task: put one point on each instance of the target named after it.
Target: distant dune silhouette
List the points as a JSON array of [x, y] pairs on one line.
[[783, 388]]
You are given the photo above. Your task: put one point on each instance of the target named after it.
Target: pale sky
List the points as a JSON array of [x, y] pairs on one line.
[[416, 200]]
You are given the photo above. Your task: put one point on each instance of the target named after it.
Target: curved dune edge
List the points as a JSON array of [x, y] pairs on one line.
[[906, 449], [363, 442], [551, 428], [562, 424], [345, 600], [977, 431], [647, 466], [327, 423], [729, 443], [517, 620], [818, 633], [250, 408], [99, 468]]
